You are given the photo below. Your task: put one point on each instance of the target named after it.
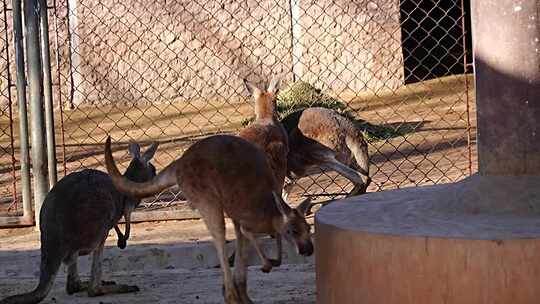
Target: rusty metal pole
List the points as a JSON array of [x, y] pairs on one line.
[[23, 117], [507, 63], [35, 84], [47, 86]]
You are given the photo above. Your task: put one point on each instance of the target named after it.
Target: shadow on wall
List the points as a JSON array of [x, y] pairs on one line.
[[432, 41]]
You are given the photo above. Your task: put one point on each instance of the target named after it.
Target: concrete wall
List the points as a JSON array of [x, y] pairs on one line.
[[351, 44], [174, 51]]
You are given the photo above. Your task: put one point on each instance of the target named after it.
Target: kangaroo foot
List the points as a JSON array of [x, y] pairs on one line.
[[76, 286], [268, 264], [231, 259], [232, 297], [358, 189], [241, 288], [122, 243], [275, 262], [266, 268], [110, 289]]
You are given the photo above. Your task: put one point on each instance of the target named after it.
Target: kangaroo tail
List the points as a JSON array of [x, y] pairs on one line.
[[165, 179], [50, 263], [358, 146]]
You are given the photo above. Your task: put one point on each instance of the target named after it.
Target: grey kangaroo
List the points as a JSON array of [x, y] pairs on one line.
[[75, 220], [320, 138], [227, 174]]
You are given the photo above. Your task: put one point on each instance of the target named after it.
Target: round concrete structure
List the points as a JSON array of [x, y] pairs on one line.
[[476, 241]]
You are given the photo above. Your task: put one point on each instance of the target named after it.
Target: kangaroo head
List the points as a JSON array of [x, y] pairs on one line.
[[265, 101], [293, 226], [140, 168]]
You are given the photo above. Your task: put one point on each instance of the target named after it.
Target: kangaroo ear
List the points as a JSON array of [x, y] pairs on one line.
[[251, 88], [273, 87], [134, 150], [281, 205], [149, 153], [304, 206]]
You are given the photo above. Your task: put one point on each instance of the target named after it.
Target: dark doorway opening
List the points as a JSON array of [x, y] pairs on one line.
[[432, 38]]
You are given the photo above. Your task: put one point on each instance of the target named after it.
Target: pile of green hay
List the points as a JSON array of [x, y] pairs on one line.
[[301, 95]]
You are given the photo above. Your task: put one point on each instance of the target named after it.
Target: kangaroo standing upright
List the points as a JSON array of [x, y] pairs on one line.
[[75, 220], [227, 174], [320, 138], [267, 133]]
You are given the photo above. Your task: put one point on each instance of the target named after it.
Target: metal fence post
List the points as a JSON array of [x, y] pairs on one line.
[[39, 163], [296, 42], [23, 117], [47, 86], [75, 60]]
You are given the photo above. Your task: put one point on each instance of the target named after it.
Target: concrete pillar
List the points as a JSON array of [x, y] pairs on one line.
[[507, 65], [475, 241]]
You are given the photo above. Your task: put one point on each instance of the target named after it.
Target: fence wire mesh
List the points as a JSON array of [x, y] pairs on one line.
[[171, 72], [10, 202]]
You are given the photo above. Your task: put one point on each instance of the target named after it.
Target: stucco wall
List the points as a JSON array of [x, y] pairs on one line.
[[173, 51], [351, 44]]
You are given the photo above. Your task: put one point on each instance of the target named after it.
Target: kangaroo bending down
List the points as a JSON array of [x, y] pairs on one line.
[[75, 220], [227, 174], [268, 134], [321, 139]]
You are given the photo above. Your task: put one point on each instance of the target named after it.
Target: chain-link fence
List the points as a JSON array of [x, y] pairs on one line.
[[170, 71], [9, 175]]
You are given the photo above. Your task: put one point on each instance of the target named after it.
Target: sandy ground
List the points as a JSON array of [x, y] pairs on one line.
[[286, 284], [19, 239], [433, 148], [436, 152]]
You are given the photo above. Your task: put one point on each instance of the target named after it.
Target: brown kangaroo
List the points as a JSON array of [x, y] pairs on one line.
[[267, 133], [320, 138], [227, 174], [76, 217]]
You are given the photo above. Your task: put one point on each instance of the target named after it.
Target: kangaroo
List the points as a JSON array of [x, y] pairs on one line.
[[76, 217], [267, 133], [227, 174], [320, 138]]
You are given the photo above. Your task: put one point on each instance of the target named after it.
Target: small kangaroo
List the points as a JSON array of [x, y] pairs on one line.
[[268, 134], [320, 138], [227, 174], [76, 217]]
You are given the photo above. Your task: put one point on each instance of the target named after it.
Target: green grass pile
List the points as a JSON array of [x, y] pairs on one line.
[[301, 95]]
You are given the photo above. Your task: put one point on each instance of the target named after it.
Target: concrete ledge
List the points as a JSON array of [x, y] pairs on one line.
[[478, 207], [145, 257], [476, 241]]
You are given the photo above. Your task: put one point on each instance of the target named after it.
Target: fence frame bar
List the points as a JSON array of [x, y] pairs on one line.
[[35, 85]]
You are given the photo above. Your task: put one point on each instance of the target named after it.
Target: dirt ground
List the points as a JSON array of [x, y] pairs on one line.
[[166, 232], [432, 115], [434, 149], [286, 284]]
